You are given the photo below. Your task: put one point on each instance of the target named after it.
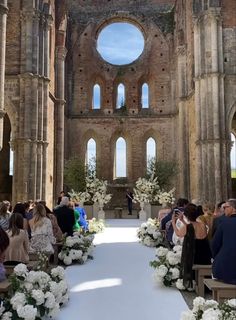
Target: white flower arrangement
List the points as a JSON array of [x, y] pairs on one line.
[[96, 226], [77, 248], [167, 265], [79, 197], [98, 189], [37, 295], [164, 197], [149, 233], [146, 189], [210, 309]]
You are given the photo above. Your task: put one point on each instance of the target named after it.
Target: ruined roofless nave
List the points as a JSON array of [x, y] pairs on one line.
[[49, 66]]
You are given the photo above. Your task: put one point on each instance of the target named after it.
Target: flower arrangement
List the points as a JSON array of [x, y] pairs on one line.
[[146, 189], [98, 189], [77, 248], [149, 233], [167, 265], [164, 197], [79, 197], [37, 295], [210, 309], [96, 226]]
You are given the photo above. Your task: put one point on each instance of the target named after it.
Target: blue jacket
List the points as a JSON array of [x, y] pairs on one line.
[[224, 251]]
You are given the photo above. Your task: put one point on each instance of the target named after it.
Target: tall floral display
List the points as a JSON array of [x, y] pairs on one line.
[[147, 190], [98, 190], [80, 197]]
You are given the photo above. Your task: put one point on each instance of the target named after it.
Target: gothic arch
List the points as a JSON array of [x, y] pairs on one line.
[[229, 116], [13, 116], [151, 133]]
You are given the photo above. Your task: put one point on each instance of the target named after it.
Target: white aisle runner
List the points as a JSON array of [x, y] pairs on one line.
[[118, 284]]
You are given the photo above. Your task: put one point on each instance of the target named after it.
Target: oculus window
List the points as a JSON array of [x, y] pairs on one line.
[[120, 43]]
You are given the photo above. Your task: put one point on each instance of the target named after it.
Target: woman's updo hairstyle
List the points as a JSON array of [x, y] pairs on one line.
[[191, 212]]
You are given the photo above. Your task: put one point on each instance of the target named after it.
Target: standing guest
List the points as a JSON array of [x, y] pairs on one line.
[[18, 250], [4, 216], [20, 208], [62, 194], [129, 197], [208, 216], [65, 216], [224, 246], [4, 243], [42, 237], [9, 208], [196, 248]]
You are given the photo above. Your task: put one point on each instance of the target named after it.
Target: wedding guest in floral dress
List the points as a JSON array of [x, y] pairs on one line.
[[42, 237]]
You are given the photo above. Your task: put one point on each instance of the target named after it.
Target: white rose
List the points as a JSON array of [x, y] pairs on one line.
[[18, 300], [161, 252], [162, 270], [187, 315], [231, 303], [49, 300], [20, 270], [54, 312], [175, 273], [212, 314], [38, 295], [58, 272], [179, 284], [7, 316], [27, 312], [67, 260]]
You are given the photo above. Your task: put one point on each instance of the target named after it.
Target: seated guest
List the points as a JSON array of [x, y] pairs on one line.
[[224, 246], [162, 213], [82, 217], [4, 216], [219, 216], [55, 227], [196, 248], [20, 208], [4, 243], [65, 216], [18, 250], [42, 237]]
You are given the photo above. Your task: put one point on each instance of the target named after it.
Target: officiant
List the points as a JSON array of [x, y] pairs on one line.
[[129, 197]]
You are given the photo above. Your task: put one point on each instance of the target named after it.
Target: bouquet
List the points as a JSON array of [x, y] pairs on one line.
[[146, 189], [37, 295], [164, 197], [77, 248], [210, 309], [149, 233], [167, 265], [98, 189], [96, 226]]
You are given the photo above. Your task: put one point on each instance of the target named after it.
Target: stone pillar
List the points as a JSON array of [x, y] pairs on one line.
[[3, 22], [59, 117]]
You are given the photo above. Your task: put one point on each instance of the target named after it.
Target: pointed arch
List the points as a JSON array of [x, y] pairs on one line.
[[120, 99], [145, 96], [96, 97], [151, 152], [120, 167]]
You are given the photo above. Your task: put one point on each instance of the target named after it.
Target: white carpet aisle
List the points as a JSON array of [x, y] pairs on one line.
[[117, 284]]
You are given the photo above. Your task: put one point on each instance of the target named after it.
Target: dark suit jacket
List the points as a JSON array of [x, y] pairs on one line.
[[224, 251], [65, 218]]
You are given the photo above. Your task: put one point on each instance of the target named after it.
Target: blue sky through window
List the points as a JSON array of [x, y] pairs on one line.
[[145, 96], [96, 97], [120, 43], [120, 158]]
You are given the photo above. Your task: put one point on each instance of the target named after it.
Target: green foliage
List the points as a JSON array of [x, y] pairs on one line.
[[75, 174], [163, 170]]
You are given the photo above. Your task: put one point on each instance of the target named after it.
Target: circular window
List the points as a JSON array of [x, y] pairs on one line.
[[120, 43]]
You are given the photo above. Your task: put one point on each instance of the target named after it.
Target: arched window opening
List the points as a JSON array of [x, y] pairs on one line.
[[120, 102], [91, 158], [145, 96], [150, 154], [96, 97], [233, 156], [120, 158], [11, 162]]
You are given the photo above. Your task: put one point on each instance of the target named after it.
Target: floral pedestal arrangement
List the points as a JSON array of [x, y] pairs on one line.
[[101, 213]]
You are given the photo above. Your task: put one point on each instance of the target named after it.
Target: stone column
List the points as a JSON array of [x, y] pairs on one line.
[[3, 22], [59, 117]]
